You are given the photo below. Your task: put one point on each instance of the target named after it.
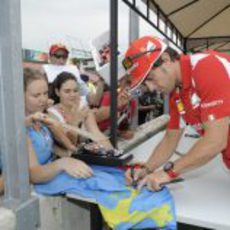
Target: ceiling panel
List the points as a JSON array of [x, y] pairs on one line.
[[198, 18]]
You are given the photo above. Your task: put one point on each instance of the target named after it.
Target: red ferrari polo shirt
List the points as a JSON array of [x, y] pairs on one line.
[[106, 101], [204, 94]]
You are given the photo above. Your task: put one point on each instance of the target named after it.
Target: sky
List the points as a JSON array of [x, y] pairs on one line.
[[73, 22]]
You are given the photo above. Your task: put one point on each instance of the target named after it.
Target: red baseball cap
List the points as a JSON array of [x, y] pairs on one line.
[[55, 47], [140, 57]]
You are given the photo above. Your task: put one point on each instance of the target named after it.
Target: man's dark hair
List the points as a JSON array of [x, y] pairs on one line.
[[174, 55]]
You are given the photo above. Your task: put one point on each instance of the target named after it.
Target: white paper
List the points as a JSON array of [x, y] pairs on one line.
[[98, 45]]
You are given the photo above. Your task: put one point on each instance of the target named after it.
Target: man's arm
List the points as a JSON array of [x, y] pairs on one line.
[[164, 149], [160, 155], [146, 107], [211, 144]]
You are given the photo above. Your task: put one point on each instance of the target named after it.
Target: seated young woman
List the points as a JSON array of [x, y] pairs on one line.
[[68, 109], [120, 205], [41, 131]]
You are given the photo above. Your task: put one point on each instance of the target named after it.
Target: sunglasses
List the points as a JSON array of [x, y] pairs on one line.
[[158, 63], [128, 62], [59, 56]]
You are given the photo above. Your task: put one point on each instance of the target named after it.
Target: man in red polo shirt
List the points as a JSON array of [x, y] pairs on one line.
[[126, 107], [199, 89]]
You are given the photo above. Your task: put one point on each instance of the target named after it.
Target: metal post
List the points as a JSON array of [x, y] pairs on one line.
[[134, 28], [133, 25], [166, 104], [185, 45], [207, 43], [12, 126], [113, 68]]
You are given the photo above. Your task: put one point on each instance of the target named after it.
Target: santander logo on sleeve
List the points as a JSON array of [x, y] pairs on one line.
[[212, 103]]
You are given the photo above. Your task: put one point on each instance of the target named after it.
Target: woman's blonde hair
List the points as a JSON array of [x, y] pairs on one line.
[[30, 75]]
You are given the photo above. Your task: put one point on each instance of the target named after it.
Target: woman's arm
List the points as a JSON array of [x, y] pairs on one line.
[[95, 98], [1, 185], [61, 136], [61, 152], [43, 173], [92, 127], [72, 135], [55, 127], [40, 173]]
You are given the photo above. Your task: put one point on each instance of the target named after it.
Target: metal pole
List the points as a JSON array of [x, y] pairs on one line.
[[133, 25], [113, 68], [134, 34], [166, 104], [12, 126]]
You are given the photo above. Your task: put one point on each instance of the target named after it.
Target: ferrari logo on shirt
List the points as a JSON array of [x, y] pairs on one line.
[[195, 100]]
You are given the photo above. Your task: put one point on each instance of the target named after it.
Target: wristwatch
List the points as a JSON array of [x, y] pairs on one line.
[[168, 168]]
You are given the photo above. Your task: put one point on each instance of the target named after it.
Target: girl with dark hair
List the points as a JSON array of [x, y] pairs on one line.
[[68, 109]]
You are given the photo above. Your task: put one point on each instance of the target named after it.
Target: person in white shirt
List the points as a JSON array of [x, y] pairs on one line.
[[58, 55]]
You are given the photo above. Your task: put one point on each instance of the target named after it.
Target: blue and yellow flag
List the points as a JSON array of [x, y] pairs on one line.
[[122, 207]]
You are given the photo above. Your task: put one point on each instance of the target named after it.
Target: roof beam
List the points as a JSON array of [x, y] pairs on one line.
[[208, 20], [203, 46], [211, 37], [145, 17], [221, 45], [224, 51], [182, 7], [200, 43]]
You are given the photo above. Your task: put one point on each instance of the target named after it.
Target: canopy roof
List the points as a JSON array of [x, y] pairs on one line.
[[203, 23]]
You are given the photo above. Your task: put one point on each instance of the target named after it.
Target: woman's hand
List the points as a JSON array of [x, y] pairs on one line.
[[75, 168], [40, 117], [33, 118], [55, 127], [83, 112], [78, 115], [122, 99], [105, 143]]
